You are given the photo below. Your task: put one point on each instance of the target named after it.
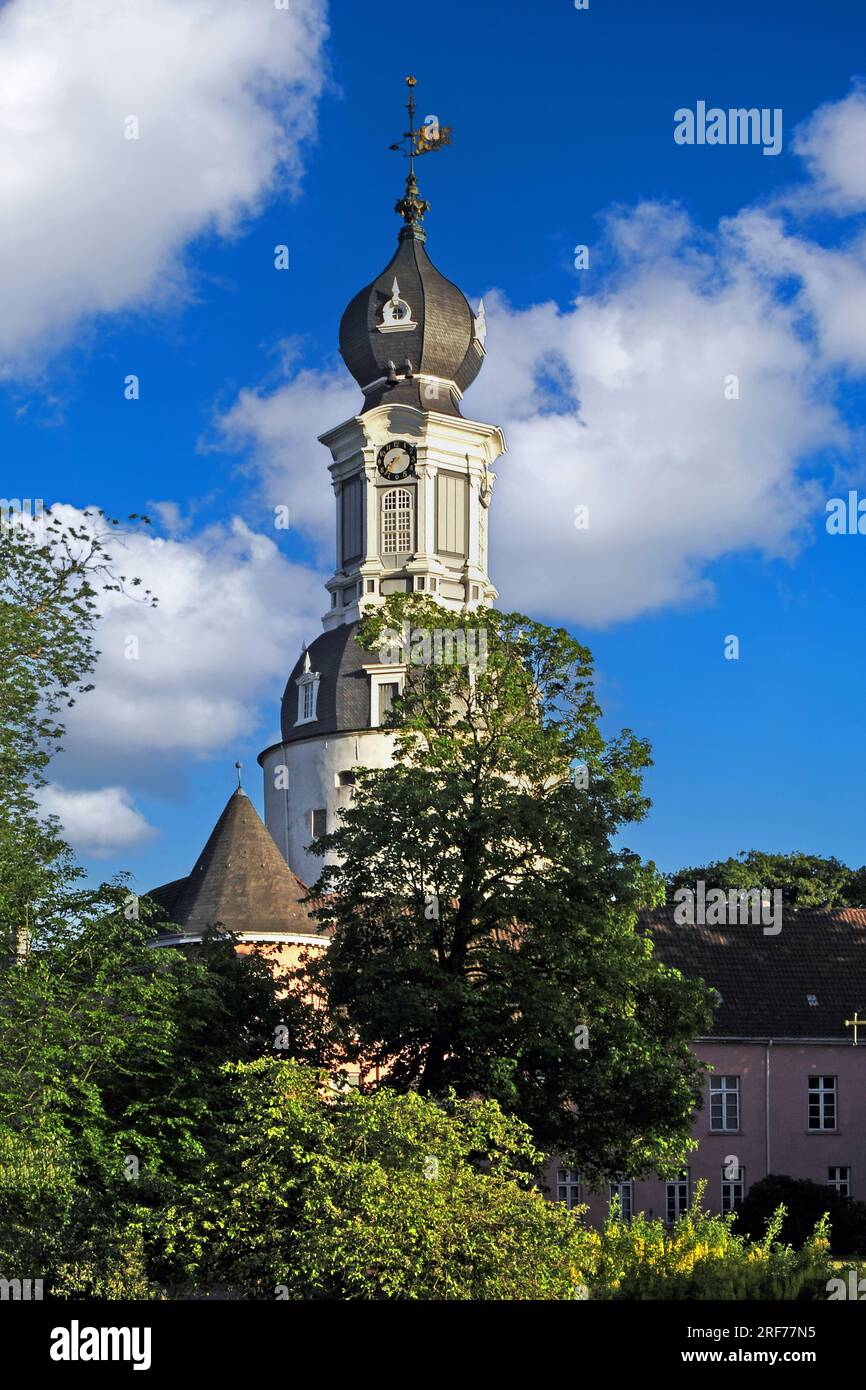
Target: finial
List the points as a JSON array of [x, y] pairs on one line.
[[412, 207], [239, 766]]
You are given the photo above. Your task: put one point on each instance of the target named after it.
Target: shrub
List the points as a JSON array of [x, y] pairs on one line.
[[702, 1257], [805, 1203], [82, 1239], [377, 1196]]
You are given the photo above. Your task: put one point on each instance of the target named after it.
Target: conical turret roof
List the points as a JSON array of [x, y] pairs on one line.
[[239, 881]]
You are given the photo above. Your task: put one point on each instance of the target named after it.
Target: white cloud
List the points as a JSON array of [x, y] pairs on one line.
[[280, 429], [620, 401], [180, 681], [617, 402], [673, 472], [99, 823], [93, 223], [833, 144]]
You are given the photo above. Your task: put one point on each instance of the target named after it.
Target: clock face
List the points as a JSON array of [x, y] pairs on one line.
[[396, 460]]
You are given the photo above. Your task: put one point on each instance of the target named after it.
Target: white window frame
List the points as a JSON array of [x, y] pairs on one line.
[[825, 1097], [308, 694], [722, 1091], [624, 1190], [841, 1186], [383, 674], [733, 1190], [677, 1197], [398, 505], [568, 1187]]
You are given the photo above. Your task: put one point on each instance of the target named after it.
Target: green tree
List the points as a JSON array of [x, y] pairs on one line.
[[110, 1050], [484, 918], [805, 880], [347, 1196]]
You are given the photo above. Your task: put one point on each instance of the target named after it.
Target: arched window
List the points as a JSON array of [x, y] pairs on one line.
[[397, 521]]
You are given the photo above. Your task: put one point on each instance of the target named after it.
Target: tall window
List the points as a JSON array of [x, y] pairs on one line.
[[677, 1194], [397, 521], [568, 1187], [724, 1102], [318, 823], [623, 1190], [840, 1180], [733, 1189], [822, 1102], [388, 692]]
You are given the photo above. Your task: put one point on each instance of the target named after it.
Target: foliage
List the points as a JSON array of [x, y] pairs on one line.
[[702, 1257], [324, 1194], [56, 1228], [805, 880], [805, 1203], [483, 914]]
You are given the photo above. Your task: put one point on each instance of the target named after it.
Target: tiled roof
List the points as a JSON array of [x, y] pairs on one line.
[[802, 983], [443, 344], [240, 881], [344, 687]]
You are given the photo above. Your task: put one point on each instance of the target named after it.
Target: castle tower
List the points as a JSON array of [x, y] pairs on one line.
[[412, 485]]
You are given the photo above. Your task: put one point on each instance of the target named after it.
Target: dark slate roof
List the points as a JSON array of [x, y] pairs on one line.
[[765, 981], [444, 343], [344, 688], [240, 881]]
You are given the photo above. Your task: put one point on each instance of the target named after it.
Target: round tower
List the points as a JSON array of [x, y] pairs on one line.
[[412, 485]]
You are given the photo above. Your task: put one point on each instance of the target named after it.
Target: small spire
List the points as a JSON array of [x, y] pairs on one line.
[[239, 765]]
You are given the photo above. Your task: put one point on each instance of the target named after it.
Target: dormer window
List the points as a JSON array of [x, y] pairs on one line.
[[308, 693], [396, 314]]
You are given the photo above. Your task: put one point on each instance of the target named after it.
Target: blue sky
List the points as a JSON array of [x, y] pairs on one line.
[[703, 260]]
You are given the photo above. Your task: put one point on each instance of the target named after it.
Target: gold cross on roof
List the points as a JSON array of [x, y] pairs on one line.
[[855, 1023]]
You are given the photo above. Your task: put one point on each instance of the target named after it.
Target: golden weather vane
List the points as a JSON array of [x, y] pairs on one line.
[[430, 137]]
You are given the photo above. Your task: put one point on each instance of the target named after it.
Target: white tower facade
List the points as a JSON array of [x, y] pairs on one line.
[[412, 483]]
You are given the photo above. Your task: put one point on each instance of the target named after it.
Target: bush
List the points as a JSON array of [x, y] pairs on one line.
[[702, 1258], [82, 1239], [381, 1196], [805, 1203]]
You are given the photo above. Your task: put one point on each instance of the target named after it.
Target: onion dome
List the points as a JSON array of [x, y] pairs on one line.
[[411, 336]]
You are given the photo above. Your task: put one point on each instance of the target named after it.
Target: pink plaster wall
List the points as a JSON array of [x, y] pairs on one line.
[[794, 1149]]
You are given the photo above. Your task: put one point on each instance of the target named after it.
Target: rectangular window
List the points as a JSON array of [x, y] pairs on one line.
[[318, 823], [388, 691], [822, 1102], [397, 521], [733, 1189], [309, 699], [724, 1103], [623, 1190], [353, 510], [451, 513], [840, 1180], [677, 1196], [568, 1187]]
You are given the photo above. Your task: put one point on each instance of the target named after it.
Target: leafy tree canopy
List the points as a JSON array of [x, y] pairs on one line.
[[805, 880], [484, 919]]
